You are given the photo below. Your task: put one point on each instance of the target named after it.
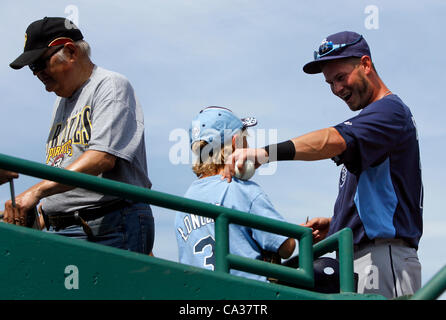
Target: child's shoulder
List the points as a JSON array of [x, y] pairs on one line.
[[249, 188]]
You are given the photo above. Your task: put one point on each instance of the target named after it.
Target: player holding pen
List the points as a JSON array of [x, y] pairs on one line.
[[380, 189]]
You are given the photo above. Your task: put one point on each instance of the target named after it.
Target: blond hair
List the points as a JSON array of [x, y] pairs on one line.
[[209, 160]]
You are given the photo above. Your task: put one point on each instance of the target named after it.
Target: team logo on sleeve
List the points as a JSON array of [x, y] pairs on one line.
[[343, 176]]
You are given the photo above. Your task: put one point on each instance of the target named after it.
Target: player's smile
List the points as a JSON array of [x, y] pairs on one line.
[[346, 97], [349, 99], [347, 82]]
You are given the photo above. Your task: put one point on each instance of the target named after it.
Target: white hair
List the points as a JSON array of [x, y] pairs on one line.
[[83, 47]]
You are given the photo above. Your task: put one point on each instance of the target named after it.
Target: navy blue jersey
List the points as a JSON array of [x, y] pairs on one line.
[[380, 188]]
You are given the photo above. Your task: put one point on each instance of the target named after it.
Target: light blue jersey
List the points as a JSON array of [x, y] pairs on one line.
[[196, 236]]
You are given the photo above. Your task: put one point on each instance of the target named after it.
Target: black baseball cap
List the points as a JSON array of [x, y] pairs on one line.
[[45, 33], [340, 45]]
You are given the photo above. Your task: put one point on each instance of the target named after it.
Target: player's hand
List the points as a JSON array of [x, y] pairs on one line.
[[24, 203], [5, 176], [319, 226], [239, 156]]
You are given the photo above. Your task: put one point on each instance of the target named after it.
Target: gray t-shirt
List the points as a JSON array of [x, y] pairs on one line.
[[102, 115]]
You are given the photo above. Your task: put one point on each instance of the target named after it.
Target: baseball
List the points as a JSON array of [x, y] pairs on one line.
[[248, 170]]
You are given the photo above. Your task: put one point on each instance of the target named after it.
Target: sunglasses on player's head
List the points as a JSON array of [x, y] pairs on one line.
[[40, 64], [327, 47]]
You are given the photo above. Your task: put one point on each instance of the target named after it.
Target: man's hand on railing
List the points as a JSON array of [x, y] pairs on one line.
[[6, 176], [24, 203], [91, 162]]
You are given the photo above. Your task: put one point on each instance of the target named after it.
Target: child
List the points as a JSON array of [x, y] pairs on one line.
[[214, 134]]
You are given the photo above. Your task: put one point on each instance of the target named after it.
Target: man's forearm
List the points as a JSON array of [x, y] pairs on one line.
[[317, 145], [91, 162]]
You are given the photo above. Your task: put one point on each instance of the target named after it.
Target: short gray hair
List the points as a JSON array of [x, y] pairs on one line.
[[83, 47]]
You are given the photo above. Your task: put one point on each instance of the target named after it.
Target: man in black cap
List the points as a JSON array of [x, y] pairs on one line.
[[380, 188], [98, 129]]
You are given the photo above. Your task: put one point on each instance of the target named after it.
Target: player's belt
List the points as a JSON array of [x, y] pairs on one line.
[[378, 241], [80, 217]]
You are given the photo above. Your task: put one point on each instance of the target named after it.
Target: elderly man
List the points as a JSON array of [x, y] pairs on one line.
[[97, 128], [380, 188]]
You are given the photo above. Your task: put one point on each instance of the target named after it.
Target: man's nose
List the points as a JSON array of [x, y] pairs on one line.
[[337, 88], [37, 73]]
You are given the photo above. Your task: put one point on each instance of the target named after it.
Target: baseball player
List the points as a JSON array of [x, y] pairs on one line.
[[214, 134], [380, 187]]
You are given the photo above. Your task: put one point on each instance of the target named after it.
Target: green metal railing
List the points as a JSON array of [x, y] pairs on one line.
[[224, 260], [303, 276], [434, 288], [222, 216]]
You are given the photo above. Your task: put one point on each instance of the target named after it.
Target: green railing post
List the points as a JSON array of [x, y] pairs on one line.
[[221, 243], [306, 254], [434, 288], [346, 261]]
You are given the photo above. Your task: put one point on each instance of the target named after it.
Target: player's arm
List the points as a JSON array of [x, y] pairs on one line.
[[91, 162], [317, 145]]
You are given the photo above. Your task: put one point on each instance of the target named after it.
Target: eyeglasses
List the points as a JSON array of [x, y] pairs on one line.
[[40, 64], [327, 47]]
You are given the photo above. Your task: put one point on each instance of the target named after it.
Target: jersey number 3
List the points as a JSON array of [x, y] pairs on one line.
[[209, 260]]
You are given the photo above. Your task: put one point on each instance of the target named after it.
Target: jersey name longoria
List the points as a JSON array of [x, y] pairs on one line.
[[192, 222]]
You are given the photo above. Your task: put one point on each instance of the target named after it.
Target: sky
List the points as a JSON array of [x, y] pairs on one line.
[[183, 55]]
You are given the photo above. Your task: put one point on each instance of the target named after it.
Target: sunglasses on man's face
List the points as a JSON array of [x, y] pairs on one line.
[[40, 64], [328, 47]]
